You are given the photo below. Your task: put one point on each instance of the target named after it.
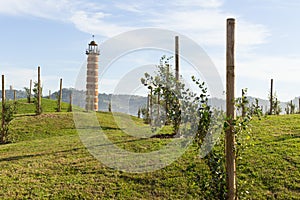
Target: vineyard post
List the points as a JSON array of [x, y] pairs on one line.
[[230, 112], [243, 105], [3, 110], [70, 106], [151, 105], [15, 95], [158, 108], [299, 105], [177, 58], [271, 98], [39, 97], [60, 96], [166, 100], [148, 109]]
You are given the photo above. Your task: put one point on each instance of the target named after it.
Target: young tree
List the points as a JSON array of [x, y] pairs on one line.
[[276, 109], [28, 94], [164, 85], [39, 108], [290, 108], [139, 113], [242, 103], [109, 107], [9, 110]]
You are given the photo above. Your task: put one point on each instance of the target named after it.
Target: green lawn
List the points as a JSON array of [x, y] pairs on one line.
[[47, 160]]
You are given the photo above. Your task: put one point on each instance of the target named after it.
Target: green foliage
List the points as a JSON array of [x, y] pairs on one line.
[[145, 114], [6, 117], [190, 115], [109, 107], [38, 110], [243, 132], [276, 109], [70, 107], [139, 113], [242, 103], [165, 85], [58, 106], [28, 94], [290, 108], [48, 160]]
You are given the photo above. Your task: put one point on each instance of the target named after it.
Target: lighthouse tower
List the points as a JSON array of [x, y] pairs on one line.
[[92, 76]]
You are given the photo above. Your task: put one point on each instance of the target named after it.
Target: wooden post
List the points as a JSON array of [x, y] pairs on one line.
[[151, 105], [60, 96], [3, 108], [299, 105], [243, 105], [177, 58], [230, 112], [167, 100], [70, 105], [109, 107], [148, 108], [49, 97], [30, 88], [271, 98], [39, 97], [15, 95], [158, 106]]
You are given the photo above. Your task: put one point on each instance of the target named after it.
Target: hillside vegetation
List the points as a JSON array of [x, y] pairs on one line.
[[47, 160]]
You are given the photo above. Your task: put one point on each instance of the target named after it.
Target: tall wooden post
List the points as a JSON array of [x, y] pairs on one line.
[[151, 105], [3, 108], [70, 104], [230, 112], [39, 97], [167, 100], [177, 58], [15, 95], [30, 88], [271, 98], [243, 104], [60, 96], [299, 106], [158, 108], [148, 108]]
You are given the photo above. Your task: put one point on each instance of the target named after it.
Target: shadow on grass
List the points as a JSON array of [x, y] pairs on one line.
[[104, 128], [13, 158], [20, 157]]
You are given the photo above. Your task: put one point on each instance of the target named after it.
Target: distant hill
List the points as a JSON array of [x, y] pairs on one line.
[[131, 103]]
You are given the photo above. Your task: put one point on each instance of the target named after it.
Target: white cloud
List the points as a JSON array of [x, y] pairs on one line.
[[95, 23], [266, 67], [202, 20], [135, 8], [199, 3]]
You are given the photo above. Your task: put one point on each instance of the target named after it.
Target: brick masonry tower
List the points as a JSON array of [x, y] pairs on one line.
[[92, 76]]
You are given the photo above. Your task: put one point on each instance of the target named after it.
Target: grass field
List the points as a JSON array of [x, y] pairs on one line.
[[47, 160]]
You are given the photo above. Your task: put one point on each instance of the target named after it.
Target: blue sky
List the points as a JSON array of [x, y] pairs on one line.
[[54, 34]]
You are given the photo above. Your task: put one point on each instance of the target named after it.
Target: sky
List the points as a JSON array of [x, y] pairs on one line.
[[54, 34]]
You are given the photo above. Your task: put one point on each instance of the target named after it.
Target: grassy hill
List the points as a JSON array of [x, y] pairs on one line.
[[47, 160]]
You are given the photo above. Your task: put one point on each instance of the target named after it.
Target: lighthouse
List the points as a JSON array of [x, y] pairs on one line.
[[92, 76]]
